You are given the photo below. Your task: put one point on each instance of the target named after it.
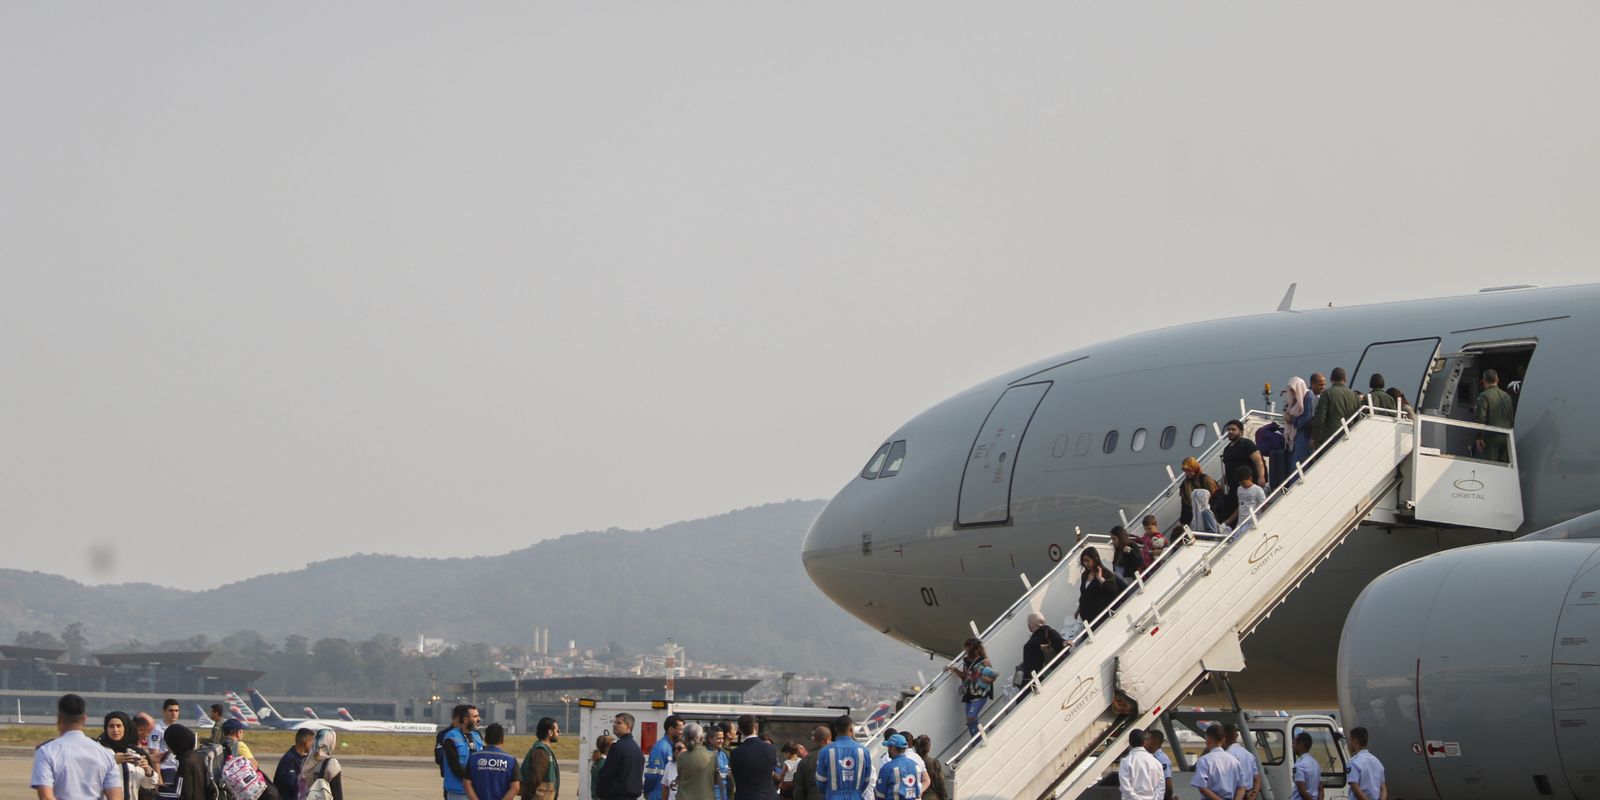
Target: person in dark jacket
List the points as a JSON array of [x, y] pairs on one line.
[[287, 776], [191, 778], [1127, 558], [753, 763], [622, 775], [1334, 406], [1098, 587], [805, 776], [1044, 644]]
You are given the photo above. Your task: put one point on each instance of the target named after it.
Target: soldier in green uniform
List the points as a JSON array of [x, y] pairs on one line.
[[1494, 407], [1336, 404], [1377, 397]]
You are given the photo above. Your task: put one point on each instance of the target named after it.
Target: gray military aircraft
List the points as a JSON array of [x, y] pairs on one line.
[[917, 544]]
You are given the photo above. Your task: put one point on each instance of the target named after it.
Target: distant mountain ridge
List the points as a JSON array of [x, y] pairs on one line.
[[728, 588]]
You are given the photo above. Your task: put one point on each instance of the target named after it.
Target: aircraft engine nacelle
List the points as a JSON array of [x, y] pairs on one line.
[[1477, 671]]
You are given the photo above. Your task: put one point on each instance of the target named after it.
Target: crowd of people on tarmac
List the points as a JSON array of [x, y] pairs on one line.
[[140, 758]]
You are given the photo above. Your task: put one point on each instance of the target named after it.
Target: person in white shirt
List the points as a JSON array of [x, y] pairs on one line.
[[1153, 740], [1307, 772], [1367, 780], [1251, 498], [72, 766], [1250, 779], [1139, 777], [1216, 774]]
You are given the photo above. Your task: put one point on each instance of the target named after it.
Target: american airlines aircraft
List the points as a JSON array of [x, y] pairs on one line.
[[1475, 667]]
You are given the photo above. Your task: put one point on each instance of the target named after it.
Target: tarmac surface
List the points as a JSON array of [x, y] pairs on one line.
[[366, 778]]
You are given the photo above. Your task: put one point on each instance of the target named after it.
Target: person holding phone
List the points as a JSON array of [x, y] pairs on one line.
[[1098, 587]]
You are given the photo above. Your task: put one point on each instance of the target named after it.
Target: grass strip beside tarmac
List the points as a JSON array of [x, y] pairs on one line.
[[269, 744]]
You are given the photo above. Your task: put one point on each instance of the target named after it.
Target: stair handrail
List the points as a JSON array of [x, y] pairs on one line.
[[1226, 541], [1067, 559]]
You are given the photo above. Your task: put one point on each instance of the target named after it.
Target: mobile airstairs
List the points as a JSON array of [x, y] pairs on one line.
[[1184, 618]]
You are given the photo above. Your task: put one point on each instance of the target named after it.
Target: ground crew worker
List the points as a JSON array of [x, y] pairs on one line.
[[1494, 407], [1367, 779], [898, 780], [1216, 774], [1307, 772], [656, 766], [1251, 779], [1336, 404], [843, 766], [1378, 397]]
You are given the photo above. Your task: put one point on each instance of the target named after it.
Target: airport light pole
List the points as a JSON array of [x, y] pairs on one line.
[[787, 677], [566, 721], [516, 694], [474, 674]]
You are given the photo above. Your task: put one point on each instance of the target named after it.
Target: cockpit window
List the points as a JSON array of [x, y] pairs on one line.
[[875, 463], [897, 456]]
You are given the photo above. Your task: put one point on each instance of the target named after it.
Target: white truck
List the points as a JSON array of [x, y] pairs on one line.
[[783, 723], [1272, 735]]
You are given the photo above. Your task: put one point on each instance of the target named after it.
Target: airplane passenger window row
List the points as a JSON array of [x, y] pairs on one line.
[[1169, 437], [886, 462]]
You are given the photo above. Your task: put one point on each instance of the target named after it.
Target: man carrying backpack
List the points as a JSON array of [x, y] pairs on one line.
[[455, 748]]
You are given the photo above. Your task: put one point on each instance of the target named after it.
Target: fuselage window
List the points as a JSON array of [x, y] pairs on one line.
[[1169, 436], [1084, 439], [1110, 445], [897, 456], [1197, 437], [1138, 440], [875, 463]]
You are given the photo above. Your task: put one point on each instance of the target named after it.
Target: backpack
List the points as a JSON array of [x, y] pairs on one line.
[[438, 749], [319, 788], [239, 779], [213, 755]]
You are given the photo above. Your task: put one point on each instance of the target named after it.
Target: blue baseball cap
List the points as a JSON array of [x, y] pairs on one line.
[[895, 741], [232, 726]]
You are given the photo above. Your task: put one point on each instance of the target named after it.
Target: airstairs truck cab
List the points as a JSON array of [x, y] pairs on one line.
[[784, 723], [1272, 736]]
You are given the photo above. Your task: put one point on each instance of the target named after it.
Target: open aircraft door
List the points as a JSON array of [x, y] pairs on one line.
[[986, 480], [1404, 365]]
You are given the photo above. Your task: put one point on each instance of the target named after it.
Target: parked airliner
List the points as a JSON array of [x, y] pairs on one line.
[[993, 483]]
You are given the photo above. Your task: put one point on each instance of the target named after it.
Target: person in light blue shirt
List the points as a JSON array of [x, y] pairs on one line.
[[844, 766], [655, 768], [1153, 739], [1216, 774], [72, 766], [1250, 775], [1367, 780], [1307, 772], [898, 780]]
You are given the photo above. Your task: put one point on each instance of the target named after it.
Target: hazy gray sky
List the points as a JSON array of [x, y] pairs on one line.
[[284, 282]]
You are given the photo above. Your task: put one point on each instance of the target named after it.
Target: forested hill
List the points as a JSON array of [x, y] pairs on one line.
[[729, 588]]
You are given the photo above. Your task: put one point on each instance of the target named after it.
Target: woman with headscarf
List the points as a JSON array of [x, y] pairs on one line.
[[321, 765], [138, 774], [1193, 478], [190, 779], [1205, 521], [1299, 404], [1044, 644]]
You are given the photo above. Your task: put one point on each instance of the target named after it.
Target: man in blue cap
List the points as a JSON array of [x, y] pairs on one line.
[[898, 780]]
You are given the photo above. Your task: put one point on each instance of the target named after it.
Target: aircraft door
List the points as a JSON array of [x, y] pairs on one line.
[[986, 481], [1403, 365]]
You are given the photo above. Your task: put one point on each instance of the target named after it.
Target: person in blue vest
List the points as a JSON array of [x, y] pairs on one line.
[[655, 767], [456, 749], [844, 768], [492, 772], [899, 779]]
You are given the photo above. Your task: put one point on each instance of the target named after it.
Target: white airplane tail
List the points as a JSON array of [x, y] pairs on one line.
[[345, 715]]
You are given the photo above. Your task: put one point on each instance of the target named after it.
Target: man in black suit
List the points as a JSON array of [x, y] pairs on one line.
[[622, 776], [753, 764]]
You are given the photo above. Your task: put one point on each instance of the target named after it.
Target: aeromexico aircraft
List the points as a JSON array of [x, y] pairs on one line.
[[1479, 646]]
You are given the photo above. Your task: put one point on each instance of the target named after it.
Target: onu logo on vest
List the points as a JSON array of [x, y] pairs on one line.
[[847, 762]]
